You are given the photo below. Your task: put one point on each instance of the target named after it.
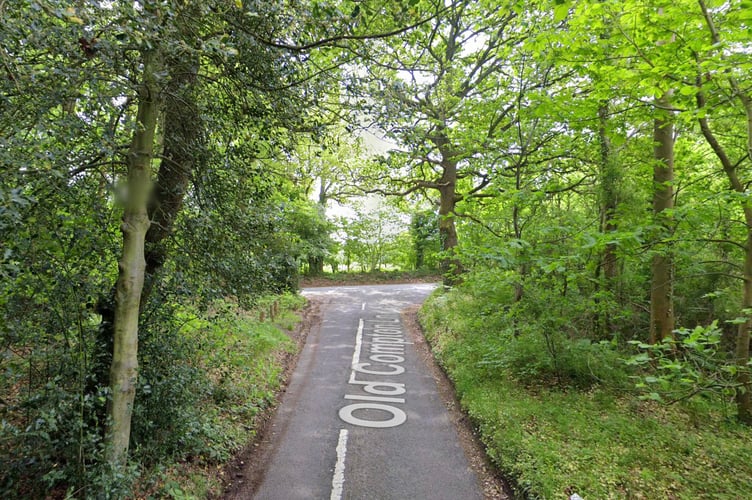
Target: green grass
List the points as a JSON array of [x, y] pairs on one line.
[[240, 353], [600, 442]]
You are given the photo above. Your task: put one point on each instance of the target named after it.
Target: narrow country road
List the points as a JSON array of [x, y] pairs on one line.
[[362, 418]]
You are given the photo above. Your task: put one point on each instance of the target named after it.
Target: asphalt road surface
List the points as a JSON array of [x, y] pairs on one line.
[[361, 418]]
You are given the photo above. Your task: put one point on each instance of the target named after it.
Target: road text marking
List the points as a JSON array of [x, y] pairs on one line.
[[387, 350]]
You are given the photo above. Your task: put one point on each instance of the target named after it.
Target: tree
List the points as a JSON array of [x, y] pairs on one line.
[[370, 233], [722, 86], [685, 57], [146, 79], [331, 167], [661, 290], [132, 265], [439, 96]]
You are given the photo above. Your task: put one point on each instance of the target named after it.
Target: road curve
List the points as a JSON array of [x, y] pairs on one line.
[[361, 418]]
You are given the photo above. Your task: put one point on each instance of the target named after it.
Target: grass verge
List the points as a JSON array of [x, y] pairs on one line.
[[600, 442], [241, 355]]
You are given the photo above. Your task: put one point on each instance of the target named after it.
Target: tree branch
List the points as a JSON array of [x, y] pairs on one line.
[[325, 42]]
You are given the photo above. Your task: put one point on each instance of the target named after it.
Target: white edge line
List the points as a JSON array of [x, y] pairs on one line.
[[358, 344], [338, 479]]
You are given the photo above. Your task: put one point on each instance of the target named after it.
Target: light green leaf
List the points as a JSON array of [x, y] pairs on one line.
[[561, 11]]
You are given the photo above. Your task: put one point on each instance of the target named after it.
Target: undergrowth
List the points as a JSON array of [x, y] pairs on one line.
[[239, 354], [204, 374], [560, 415]]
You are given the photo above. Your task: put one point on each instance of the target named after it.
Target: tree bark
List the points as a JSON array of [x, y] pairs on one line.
[[315, 265], [609, 197], [450, 265], [183, 142], [744, 379], [741, 353], [661, 290], [517, 229], [609, 181], [132, 265], [742, 350]]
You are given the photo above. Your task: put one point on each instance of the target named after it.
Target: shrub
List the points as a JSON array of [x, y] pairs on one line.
[[692, 365], [555, 360]]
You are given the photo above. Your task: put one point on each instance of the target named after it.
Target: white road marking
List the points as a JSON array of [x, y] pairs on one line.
[[338, 480], [399, 417], [374, 398], [363, 307], [387, 348], [358, 345]]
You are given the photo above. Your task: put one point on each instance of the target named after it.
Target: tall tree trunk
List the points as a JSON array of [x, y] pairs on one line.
[[315, 265], [316, 262], [183, 144], [742, 351], [183, 141], [522, 268], [517, 228], [450, 265], [609, 182], [744, 379], [132, 265], [609, 177], [661, 290], [420, 254]]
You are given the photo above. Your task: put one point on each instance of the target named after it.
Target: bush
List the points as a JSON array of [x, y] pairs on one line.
[[690, 366], [555, 360], [167, 415], [504, 341], [202, 377]]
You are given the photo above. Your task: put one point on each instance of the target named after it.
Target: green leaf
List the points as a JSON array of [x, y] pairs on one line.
[[654, 396], [737, 321], [561, 11]]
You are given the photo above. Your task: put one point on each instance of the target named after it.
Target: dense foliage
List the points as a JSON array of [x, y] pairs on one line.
[[110, 110], [578, 171], [589, 161]]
